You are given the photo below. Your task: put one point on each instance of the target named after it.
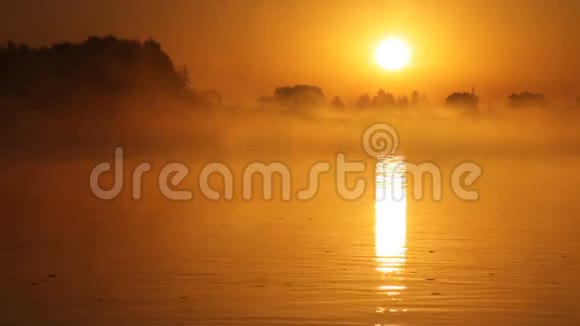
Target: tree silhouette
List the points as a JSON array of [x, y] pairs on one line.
[[403, 102], [415, 99], [337, 103], [184, 75], [526, 99], [295, 97], [462, 100], [299, 96], [364, 101], [105, 66], [383, 99]]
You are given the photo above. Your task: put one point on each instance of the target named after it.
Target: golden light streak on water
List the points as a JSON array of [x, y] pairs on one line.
[[390, 214], [391, 227]]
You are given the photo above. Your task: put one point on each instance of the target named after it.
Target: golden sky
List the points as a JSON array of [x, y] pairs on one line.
[[246, 48]]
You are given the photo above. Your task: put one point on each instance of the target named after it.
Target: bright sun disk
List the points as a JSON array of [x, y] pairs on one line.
[[392, 54]]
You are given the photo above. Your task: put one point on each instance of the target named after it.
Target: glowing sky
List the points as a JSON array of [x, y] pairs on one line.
[[246, 48]]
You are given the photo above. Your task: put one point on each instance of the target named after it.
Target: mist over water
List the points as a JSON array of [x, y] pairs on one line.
[[321, 261]]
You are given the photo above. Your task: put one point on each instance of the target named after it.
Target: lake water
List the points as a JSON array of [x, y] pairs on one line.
[[510, 258]]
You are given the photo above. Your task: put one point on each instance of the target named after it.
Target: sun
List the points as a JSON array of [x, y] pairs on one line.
[[392, 54]]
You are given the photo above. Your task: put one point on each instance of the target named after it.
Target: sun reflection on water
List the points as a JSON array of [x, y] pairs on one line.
[[391, 227]]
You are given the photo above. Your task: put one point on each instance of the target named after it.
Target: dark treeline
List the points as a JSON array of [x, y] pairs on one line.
[[109, 67], [307, 96], [388, 100], [101, 66]]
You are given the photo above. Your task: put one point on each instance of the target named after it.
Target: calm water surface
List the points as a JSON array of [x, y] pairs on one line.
[[511, 258]]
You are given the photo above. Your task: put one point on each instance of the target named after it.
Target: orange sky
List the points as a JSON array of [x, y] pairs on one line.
[[246, 48]]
